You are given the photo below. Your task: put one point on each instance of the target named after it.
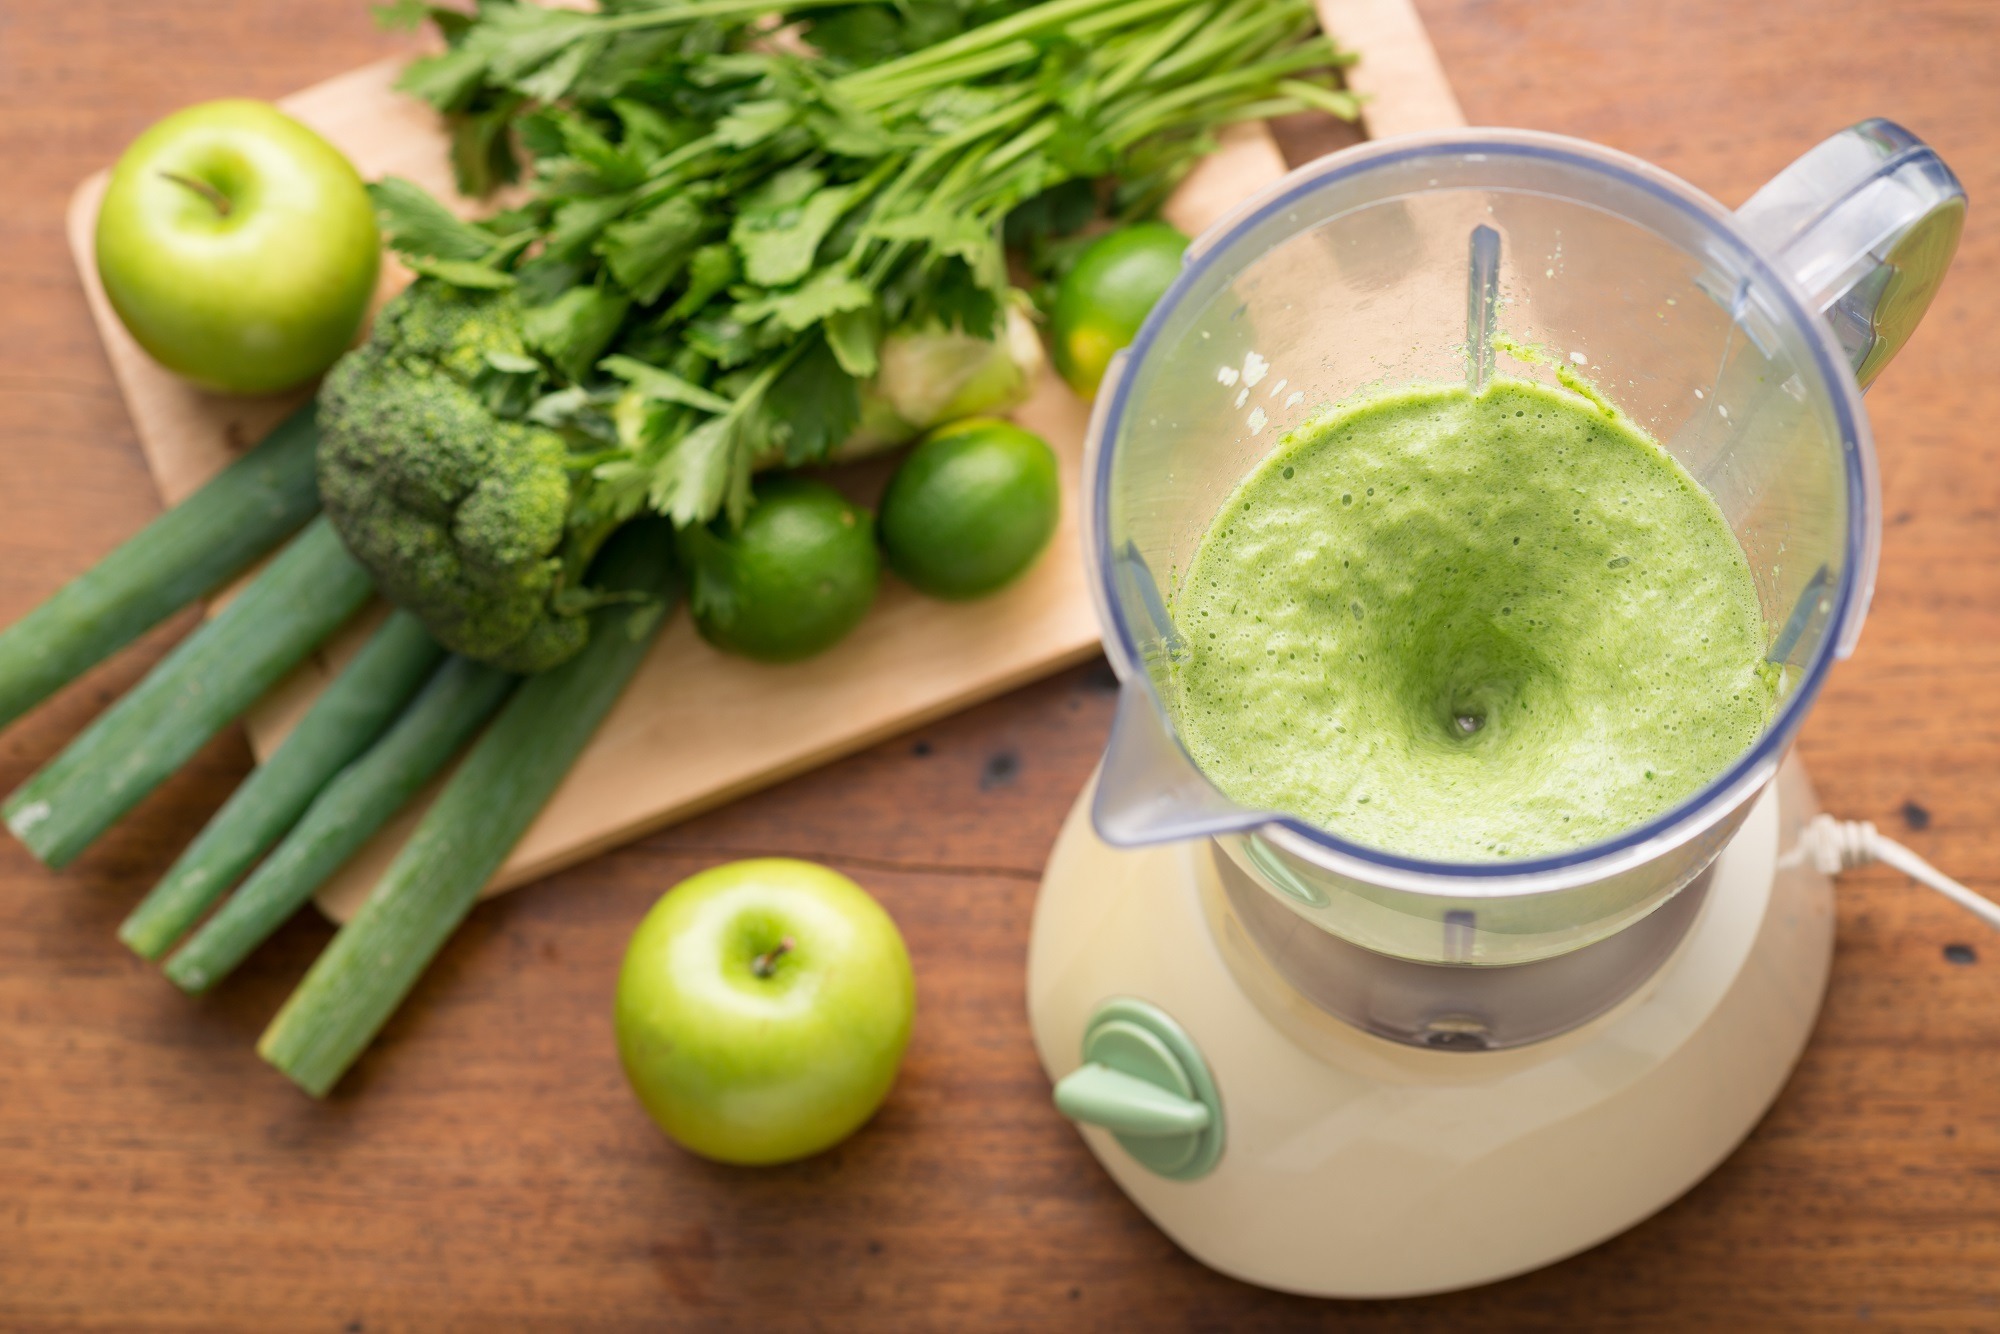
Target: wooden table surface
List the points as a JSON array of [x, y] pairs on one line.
[[485, 1168]]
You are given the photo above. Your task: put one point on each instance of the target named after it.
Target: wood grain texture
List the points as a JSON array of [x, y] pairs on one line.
[[485, 1169], [1399, 78]]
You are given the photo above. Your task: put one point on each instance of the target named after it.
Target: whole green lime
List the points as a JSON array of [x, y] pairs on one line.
[[970, 508], [1101, 302], [793, 580]]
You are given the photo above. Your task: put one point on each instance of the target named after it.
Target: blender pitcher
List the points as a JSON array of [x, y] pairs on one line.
[[1741, 342]]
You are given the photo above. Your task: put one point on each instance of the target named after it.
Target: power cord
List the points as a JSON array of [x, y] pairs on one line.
[[1842, 845]]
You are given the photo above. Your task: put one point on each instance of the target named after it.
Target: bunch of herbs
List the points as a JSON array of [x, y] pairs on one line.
[[727, 205]]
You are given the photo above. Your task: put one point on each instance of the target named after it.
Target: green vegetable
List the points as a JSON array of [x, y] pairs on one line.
[[356, 984], [461, 514], [792, 581], [933, 376], [191, 550], [1104, 298], [460, 696], [970, 508], [346, 717], [739, 226], [209, 679]]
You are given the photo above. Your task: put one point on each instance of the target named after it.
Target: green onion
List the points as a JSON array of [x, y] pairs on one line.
[[357, 983], [193, 549], [205, 684], [461, 695], [347, 716]]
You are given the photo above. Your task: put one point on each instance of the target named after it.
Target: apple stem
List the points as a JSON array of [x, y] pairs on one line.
[[767, 963], [202, 188]]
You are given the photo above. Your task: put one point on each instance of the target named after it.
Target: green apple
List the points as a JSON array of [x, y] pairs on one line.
[[238, 246], [763, 1008]]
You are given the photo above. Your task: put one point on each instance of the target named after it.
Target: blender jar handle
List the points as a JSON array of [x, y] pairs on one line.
[[1867, 223]]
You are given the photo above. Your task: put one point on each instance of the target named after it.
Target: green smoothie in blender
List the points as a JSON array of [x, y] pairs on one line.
[[1469, 627]]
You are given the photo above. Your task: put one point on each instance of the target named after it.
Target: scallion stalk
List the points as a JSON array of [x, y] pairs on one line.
[[187, 552], [201, 687], [460, 696], [348, 715], [510, 773]]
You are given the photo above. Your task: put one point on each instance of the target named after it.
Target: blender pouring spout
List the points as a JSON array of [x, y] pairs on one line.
[[1149, 789]]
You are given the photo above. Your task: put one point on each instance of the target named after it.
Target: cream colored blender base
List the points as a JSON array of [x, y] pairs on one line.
[[1358, 1167]]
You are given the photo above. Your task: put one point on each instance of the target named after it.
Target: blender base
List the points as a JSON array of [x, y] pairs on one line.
[[1358, 1167]]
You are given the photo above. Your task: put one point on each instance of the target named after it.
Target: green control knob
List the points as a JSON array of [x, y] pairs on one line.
[[1144, 1080], [1097, 1095]]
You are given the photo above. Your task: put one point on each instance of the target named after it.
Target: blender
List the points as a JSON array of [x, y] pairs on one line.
[[1327, 1068]]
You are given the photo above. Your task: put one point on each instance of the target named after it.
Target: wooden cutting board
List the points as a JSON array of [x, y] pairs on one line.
[[695, 728]]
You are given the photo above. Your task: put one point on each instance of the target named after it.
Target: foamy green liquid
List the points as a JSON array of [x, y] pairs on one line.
[[1469, 628]]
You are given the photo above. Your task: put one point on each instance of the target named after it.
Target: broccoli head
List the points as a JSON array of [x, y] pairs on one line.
[[460, 512]]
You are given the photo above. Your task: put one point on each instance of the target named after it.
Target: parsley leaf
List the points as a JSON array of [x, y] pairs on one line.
[[855, 339], [665, 386], [519, 39], [595, 164], [1057, 211], [647, 132], [508, 383], [751, 123], [723, 339], [811, 407], [579, 222], [825, 293], [573, 330], [779, 238], [461, 273], [415, 223], [448, 80], [554, 79], [648, 252], [482, 158], [711, 270], [953, 234], [704, 471], [958, 300]]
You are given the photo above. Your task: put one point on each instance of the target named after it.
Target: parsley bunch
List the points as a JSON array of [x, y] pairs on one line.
[[730, 204]]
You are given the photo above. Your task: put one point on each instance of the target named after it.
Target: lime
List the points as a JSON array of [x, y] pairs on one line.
[[970, 508], [1101, 302], [794, 579]]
